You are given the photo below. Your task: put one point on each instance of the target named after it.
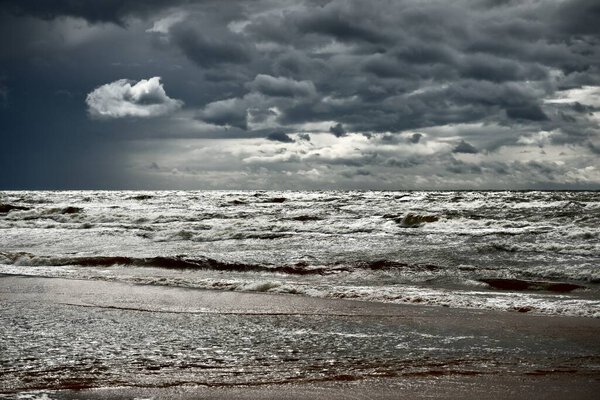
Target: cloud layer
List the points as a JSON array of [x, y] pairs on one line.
[[125, 98], [315, 93]]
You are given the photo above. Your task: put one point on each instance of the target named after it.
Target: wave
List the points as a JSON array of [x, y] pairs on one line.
[[411, 220], [304, 218], [183, 263], [65, 210], [140, 197], [240, 202], [6, 208], [430, 274], [396, 265], [473, 298], [520, 284], [374, 281], [168, 262], [34, 213]]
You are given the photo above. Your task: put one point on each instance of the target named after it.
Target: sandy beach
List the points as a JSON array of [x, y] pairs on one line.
[[96, 339]]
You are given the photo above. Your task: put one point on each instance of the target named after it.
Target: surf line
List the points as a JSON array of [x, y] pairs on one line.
[[206, 312]]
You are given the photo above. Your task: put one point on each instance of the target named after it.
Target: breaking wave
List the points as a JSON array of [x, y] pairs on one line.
[[198, 263]]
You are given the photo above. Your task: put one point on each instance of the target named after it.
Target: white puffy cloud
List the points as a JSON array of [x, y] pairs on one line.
[[540, 139], [125, 98]]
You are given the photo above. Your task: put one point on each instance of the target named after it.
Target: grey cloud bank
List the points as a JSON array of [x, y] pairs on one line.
[[301, 94]]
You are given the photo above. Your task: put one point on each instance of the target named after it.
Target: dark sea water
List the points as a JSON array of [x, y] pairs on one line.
[[537, 252], [127, 313]]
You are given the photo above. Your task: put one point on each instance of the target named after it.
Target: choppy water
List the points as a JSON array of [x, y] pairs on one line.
[[527, 251]]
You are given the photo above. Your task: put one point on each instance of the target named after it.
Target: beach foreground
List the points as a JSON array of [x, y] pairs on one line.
[[93, 339]]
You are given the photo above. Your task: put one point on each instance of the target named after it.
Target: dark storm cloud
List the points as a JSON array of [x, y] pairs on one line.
[[579, 17], [530, 112], [211, 49], [280, 137], [115, 11], [339, 22], [415, 138], [580, 108], [304, 136], [464, 147], [337, 130], [475, 76], [231, 112], [281, 87]]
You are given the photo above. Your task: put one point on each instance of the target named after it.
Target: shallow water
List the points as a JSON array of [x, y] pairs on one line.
[[67, 334], [438, 248]]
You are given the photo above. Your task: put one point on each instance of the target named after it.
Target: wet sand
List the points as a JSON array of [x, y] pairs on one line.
[[456, 354], [453, 387]]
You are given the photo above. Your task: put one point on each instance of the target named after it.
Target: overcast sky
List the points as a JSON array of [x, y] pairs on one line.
[[301, 94]]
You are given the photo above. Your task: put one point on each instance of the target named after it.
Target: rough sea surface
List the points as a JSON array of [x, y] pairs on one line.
[[536, 252]]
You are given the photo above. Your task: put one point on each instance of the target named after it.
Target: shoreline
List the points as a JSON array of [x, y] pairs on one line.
[[525, 307], [460, 387], [555, 355], [225, 305]]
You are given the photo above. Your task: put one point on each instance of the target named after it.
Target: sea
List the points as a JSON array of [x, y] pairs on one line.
[[125, 291], [516, 251]]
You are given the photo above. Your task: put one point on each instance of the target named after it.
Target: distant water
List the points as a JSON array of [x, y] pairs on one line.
[[533, 252]]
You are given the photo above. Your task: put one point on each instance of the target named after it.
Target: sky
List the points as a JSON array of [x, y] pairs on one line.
[[301, 94]]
